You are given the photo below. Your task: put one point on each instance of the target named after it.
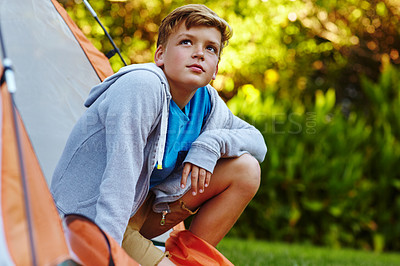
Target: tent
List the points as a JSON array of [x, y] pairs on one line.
[[54, 66]]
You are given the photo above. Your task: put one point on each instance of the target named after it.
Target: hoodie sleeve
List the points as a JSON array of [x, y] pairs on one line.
[[225, 135], [128, 112]]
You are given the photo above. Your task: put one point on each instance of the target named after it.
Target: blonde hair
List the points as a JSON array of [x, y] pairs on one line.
[[193, 15]]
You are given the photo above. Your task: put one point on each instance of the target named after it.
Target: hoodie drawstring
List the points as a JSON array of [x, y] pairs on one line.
[[163, 135]]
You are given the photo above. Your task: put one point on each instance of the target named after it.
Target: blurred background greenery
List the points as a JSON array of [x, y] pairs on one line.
[[320, 80]]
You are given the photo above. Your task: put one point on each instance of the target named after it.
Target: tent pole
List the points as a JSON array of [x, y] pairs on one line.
[[112, 52], [8, 77]]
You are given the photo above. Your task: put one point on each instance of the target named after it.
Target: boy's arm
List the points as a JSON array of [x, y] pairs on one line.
[[128, 112], [225, 135]]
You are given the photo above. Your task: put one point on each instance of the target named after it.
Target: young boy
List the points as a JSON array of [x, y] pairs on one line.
[[158, 144]]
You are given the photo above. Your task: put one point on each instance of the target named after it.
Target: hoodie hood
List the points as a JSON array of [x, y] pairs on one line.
[[102, 87], [98, 90]]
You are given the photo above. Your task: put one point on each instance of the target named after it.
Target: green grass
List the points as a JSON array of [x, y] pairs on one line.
[[252, 252]]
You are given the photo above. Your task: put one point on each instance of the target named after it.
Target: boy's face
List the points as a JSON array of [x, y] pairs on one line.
[[190, 57]]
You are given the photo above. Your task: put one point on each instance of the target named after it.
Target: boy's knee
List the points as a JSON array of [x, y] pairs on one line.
[[248, 172]]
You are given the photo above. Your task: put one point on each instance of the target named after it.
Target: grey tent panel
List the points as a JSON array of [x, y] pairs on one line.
[[53, 75]]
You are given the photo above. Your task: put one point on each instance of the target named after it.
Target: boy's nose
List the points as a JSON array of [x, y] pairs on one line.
[[198, 53]]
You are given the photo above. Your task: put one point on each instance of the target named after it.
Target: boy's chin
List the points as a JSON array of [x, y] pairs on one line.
[[200, 85], [197, 83]]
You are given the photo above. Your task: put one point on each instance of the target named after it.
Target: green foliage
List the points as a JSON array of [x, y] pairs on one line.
[[328, 179], [318, 79]]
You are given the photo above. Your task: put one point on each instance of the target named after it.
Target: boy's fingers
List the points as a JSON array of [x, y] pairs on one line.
[[208, 179], [202, 179], [185, 174], [195, 176]]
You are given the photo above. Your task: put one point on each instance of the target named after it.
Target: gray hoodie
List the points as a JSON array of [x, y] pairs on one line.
[[105, 168]]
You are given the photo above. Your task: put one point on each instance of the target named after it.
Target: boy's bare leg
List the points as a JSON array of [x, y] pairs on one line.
[[233, 184]]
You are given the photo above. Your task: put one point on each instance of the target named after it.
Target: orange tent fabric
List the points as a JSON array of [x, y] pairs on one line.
[[187, 249], [48, 235], [91, 245]]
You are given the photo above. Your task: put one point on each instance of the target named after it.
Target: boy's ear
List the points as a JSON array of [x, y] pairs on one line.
[[159, 56], [215, 73]]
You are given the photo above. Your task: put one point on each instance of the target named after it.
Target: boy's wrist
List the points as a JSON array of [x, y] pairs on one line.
[[202, 157]]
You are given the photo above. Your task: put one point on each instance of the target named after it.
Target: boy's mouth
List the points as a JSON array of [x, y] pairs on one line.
[[196, 68]]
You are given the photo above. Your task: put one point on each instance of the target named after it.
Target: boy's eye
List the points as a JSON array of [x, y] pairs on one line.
[[187, 42], [212, 49]]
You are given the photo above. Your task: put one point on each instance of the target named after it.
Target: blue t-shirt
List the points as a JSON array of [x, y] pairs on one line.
[[184, 127]]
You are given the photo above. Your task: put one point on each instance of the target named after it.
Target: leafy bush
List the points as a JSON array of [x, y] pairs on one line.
[[328, 178]]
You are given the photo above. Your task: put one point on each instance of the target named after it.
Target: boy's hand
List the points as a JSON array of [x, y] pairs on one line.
[[200, 178]]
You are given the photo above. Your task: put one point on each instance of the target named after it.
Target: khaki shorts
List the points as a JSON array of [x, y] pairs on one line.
[[146, 224]]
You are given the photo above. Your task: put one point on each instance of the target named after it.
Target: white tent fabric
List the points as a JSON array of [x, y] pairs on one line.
[[37, 40]]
